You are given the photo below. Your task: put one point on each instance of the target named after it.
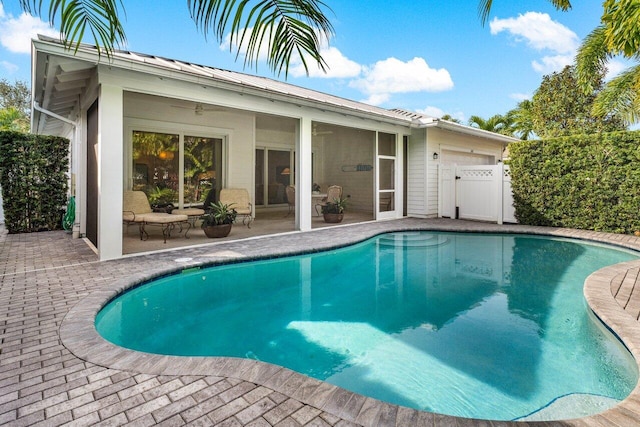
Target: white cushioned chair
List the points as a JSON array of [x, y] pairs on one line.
[[137, 210], [238, 199]]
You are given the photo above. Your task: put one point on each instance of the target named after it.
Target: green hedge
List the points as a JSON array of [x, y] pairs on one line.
[[33, 177], [586, 181]]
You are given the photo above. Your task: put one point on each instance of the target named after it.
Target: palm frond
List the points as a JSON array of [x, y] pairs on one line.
[[591, 60], [100, 18], [484, 9], [291, 29], [621, 97], [620, 18]]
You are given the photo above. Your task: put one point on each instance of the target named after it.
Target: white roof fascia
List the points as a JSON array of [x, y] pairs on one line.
[[464, 129]]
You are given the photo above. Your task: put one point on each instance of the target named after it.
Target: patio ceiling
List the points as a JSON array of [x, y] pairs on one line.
[[59, 89]]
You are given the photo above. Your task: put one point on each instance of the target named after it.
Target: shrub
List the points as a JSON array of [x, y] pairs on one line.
[[582, 181], [33, 177]]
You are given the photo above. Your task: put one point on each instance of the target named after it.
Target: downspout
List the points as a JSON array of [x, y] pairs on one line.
[[37, 107], [52, 114]]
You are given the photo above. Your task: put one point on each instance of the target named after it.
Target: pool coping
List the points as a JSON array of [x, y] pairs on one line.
[[79, 336]]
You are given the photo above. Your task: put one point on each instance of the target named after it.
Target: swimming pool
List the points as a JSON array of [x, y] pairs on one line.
[[451, 323]]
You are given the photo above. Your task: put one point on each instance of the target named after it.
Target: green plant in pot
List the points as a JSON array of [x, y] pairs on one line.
[[218, 220], [333, 211], [161, 198]]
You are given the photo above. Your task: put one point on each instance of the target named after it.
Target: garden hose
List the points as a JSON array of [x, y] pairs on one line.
[[70, 216]]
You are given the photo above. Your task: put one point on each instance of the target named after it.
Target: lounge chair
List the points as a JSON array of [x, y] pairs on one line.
[[137, 210], [333, 192], [238, 199]]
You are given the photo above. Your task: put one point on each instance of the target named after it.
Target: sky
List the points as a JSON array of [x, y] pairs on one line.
[[432, 57]]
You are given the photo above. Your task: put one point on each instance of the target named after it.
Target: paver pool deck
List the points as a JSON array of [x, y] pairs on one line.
[[55, 369]]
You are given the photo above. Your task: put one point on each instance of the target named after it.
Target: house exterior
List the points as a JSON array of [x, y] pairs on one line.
[[138, 121]]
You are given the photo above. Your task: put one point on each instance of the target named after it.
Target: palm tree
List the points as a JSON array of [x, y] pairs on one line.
[[618, 34], [449, 118], [497, 124], [287, 28], [522, 120], [620, 96]]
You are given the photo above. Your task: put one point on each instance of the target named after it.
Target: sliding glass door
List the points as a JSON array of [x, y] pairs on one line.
[[202, 169], [176, 168]]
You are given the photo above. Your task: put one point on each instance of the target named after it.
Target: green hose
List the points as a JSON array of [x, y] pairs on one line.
[[70, 216]]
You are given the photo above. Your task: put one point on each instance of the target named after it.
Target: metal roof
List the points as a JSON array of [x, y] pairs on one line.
[[66, 75]]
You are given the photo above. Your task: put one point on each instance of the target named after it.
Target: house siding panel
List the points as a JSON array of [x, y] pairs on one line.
[[416, 174]]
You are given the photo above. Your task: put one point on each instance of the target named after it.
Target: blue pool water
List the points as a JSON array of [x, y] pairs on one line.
[[473, 325]]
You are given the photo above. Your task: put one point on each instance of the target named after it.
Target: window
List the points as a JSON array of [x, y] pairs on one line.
[[157, 170], [156, 166]]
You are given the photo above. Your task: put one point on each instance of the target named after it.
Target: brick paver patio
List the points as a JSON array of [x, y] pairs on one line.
[[49, 375]]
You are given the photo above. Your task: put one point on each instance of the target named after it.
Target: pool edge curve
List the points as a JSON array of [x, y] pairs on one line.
[[79, 336]]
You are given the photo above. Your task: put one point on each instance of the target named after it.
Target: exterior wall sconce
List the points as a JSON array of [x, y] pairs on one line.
[[435, 156]]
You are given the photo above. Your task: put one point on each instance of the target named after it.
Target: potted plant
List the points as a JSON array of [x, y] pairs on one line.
[[218, 220], [333, 211], [161, 199]]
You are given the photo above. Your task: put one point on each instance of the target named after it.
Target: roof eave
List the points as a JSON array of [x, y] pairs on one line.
[[467, 130]]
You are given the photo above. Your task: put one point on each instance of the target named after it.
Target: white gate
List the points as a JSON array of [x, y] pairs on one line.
[[481, 193], [477, 191], [508, 211]]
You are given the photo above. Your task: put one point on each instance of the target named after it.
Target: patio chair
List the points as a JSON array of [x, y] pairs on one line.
[[290, 192], [137, 210], [238, 199], [333, 192]]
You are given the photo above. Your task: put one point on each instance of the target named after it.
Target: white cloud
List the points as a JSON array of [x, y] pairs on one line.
[[226, 44], [338, 66], [16, 33], [431, 111], [394, 76], [377, 82], [520, 96], [549, 64], [614, 68], [438, 113], [11, 68], [377, 99], [541, 33]]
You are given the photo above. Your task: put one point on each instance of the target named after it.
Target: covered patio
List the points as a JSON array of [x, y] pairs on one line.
[[267, 221], [181, 132]]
